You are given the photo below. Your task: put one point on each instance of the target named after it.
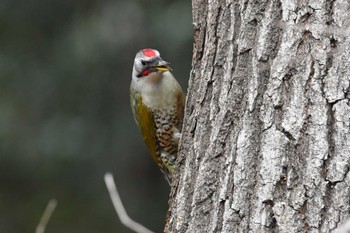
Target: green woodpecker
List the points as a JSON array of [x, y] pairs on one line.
[[157, 102]]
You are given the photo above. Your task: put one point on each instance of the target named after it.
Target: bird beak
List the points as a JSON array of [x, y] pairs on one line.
[[161, 65]]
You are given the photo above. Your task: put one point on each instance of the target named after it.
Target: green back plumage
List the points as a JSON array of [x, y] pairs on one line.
[[145, 122]]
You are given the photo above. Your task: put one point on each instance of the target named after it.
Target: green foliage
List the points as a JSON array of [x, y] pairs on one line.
[[65, 120]]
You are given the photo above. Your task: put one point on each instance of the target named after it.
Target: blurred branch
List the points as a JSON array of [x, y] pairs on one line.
[[50, 207], [118, 206]]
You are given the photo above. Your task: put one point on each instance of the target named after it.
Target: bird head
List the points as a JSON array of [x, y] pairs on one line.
[[149, 65]]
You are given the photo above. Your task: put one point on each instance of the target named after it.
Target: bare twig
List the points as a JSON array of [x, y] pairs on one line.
[[50, 207], [118, 206]]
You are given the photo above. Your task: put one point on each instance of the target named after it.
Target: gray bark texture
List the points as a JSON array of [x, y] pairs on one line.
[[265, 145]]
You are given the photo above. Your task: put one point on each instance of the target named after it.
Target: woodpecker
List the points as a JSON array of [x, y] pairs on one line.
[[157, 103]]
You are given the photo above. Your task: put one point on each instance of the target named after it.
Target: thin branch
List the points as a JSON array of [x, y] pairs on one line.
[[50, 207], [118, 206]]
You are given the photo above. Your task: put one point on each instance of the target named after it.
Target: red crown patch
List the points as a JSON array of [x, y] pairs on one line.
[[149, 52]]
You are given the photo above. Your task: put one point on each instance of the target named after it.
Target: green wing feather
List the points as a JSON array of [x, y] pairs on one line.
[[145, 121]]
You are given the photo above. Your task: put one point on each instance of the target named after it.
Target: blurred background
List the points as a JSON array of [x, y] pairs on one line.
[[65, 120]]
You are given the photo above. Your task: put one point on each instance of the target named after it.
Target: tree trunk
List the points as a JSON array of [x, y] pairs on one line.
[[266, 138]]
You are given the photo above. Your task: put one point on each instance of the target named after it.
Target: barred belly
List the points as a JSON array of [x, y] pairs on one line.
[[168, 130]]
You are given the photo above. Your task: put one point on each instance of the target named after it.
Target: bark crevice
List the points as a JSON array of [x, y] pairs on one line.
[[265, 144]]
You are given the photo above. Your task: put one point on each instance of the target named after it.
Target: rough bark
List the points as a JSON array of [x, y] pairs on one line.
[[266, 139]]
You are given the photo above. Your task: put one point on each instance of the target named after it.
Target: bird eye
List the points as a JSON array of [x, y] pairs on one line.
[[143, 63]]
